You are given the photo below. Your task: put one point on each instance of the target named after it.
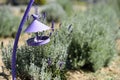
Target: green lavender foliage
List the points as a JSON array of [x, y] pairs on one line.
[[54, 12], [94, 34], [32, 62], [8, 22], [116, 5]]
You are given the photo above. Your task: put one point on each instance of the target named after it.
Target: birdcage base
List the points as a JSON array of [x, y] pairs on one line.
[[40, 40]]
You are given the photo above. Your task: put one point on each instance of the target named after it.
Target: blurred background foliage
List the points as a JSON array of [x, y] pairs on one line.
[[67, 6], [54, 12], [116, 5], [8, 23]]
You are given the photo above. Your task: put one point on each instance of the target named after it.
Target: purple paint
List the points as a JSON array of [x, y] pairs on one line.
[[36, 26], [17, 38], [38, 41]]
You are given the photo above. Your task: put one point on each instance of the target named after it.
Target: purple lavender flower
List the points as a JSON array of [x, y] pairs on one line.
[[61, 63], [69, 27], [44, 15], [49, 61], [36, 10], [52, 26], [50, 34]]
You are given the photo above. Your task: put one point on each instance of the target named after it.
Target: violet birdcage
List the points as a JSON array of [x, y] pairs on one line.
[[38, 28]]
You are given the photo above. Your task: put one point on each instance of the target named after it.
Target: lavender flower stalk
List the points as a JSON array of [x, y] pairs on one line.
[[49, 61], [61, 63]]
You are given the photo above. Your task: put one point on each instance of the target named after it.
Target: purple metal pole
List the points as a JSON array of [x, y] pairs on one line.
[[17, 38]]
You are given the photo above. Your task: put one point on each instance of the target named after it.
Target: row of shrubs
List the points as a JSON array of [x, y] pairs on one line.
[[85, 40], [55, 11], [116, 5], [94, 36], [8, 22]]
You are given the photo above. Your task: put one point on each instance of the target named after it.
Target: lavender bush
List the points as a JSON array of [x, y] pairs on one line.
[[45, 62], [8, 22], [93, 41], [68, 8], [116, 5], [54, 11]]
